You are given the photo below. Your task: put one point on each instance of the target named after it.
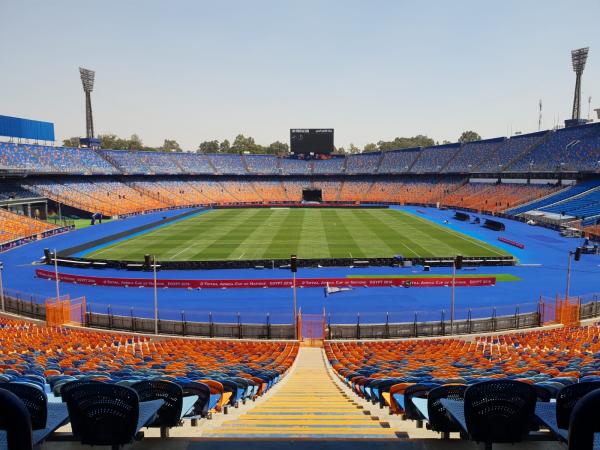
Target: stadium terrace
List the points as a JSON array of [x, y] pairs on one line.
[[444, 296], [457, 229]]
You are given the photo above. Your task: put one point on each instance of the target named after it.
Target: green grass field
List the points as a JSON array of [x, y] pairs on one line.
[[84, 223], [79, 223], [257, 233]]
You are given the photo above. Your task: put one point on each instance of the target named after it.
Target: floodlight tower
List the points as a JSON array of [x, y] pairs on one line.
[[87, 79], [579, 57]]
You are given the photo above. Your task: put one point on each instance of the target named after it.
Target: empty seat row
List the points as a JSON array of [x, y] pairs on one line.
[[16, 226], [567, 150], [490, 389], [121, 373]]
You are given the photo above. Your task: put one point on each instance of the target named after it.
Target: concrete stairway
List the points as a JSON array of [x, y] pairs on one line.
[[307, 405]]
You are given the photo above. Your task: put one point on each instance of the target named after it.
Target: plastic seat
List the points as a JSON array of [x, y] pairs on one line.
[[415, 391], [544, 393], [200, 390], [384, 390], [107, 414], [583, 424], [246, 385], [45, 417], [499, 411], [396, 397], [15, 419], [34, 400], [217, 394], [551, 386], [67, 387], [567, 397], [438, 418], [233, 389], [169, 415]]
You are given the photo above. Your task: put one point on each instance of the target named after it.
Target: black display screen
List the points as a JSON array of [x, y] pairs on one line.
[[311, 140], [312, 195]]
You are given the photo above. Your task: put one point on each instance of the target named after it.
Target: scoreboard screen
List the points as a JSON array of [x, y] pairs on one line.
[[311, 140]]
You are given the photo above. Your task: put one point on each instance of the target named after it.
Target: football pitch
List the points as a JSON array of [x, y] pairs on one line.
[[276, 233]]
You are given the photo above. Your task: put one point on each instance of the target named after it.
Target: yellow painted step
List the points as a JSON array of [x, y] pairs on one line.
[[303, 416], [308, 405], [305, 423], [352, 432]]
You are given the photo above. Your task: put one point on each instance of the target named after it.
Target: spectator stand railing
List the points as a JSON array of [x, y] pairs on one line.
[[252, 325]]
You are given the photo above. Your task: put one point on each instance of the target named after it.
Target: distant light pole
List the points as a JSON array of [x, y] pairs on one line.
[[87, 80], [56, 276], [577, 254], [294, 269], [578, 58], [155, 295], [452, 302], [1, 286], [456, 265]]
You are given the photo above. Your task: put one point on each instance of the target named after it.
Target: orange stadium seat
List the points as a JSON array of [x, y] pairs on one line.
[[15, 226]]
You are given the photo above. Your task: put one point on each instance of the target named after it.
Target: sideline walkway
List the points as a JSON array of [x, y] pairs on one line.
[[309, 405]]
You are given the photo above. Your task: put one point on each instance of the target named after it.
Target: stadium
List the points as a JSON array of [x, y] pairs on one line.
[[433, 296]]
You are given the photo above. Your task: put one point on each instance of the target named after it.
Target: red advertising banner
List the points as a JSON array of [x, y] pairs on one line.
[[266, 282], [514, 243]]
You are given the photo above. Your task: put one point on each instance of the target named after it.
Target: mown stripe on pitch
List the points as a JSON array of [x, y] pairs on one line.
[[286, 238], [463, 239], [371, 241], [260, 237], [156, 241], [410, 236], [199, 234], [439, 238], [220, 248], [344, 245], [313, 241], [330, 233], [401, 242], [225, 225], [436, 241]]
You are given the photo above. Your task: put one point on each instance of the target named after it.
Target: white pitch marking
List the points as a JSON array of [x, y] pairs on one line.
[[460, 235], [179, 252]]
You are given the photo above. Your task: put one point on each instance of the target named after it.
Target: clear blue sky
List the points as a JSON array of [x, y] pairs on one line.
[[198, 70]]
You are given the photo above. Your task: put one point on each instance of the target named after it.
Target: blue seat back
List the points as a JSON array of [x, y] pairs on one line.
[[499, 410]]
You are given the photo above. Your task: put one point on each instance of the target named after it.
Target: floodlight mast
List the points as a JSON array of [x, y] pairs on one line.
[[579, 58], [87, 79]]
